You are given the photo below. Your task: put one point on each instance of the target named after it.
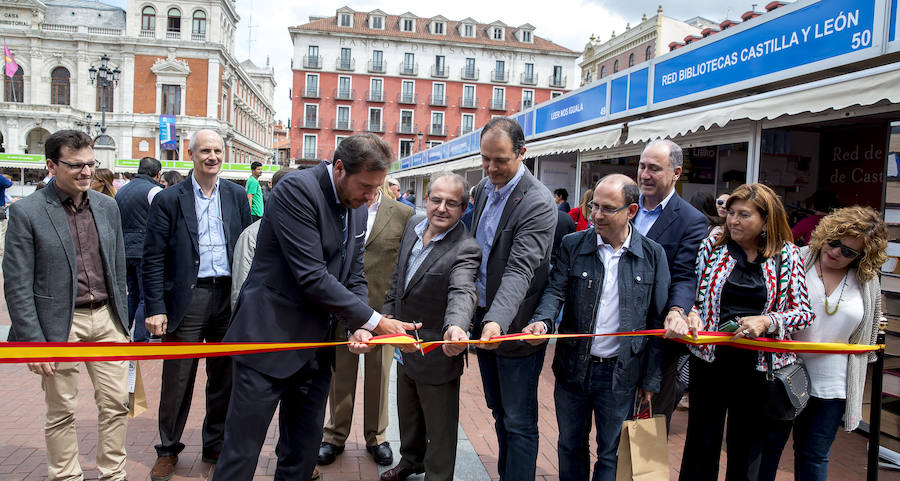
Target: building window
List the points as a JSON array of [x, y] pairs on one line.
[[406, 122], [498, 102], [311, 116], [469, 71], [467, 124], [432, 143], [199, 24], [437, 94], [468, 30], [468, 99], [602, 71], [346, 20], [498, 33], [59, 86], [377, 61], [437, 123], [375, 120], [527, 99], [553, 95], [405, 148], [437, 28], [338, 139], [528, 76], [173, 23], [345, 63], [648, 53], [499, 71], [310, 149], [615, 66], [407, 91], [105, 97], [408, 25], [148, 19], [171, 100], [376, 89], [312, 85], [343, 91], [631, 60], [526, 36], [377, 22]]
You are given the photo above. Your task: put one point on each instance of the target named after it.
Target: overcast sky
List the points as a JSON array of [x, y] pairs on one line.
[[567, 22]]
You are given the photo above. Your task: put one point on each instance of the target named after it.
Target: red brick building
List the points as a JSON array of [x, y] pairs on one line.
[[415, 81]]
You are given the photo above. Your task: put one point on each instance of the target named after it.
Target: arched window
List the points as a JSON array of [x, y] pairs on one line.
[[648, 53], [173, 23], [148, 19], [602, 71], [14, 88], [631, 60], [615, 66], [59, 86], [199, 24]]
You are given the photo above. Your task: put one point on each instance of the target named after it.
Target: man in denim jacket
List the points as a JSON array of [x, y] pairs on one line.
[[611, 279]]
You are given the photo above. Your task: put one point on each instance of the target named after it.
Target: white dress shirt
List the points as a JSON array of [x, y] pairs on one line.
[[373, 210], [607, 320]]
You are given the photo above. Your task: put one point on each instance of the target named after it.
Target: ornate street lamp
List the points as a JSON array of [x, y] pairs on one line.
[[419, 135], [105, 77]]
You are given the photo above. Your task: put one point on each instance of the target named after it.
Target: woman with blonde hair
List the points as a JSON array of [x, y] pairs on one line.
[[582, 214], [103, 182], [841, 263], [750, 283]]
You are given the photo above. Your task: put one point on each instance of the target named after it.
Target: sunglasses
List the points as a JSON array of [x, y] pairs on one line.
[[847, 252], [720, 202]]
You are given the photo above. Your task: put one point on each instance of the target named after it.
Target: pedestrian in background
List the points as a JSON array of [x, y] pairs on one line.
[[134, 204], [64, 279], [845, 253], [188, 249], [752, 283], [171, 178], [394, 187], [254, 192], [5, 183], [103, 182], [561, 197], [720, 204], [581, 215], [705, 203]]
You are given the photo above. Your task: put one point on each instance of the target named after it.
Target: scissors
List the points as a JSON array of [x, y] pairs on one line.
[[419, 342]]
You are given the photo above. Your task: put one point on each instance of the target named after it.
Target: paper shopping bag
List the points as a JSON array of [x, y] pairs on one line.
[[643, 452], [137, 399]]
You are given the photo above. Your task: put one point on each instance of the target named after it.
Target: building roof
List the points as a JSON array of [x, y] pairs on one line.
[[422, 32], [89, 4]]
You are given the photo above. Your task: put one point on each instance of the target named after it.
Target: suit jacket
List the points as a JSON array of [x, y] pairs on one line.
[[39, 270], [300, 280], [679, 230], [450, 267], [171, 251], [519, 260], [380, 255]]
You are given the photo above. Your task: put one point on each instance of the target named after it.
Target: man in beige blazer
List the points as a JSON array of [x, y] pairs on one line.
[[384, 228]]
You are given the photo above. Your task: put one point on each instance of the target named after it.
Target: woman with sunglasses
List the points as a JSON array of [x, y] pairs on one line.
[[751, 284], [842, 260], [720, 204]]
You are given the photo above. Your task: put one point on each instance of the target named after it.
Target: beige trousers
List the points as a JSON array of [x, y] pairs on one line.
[[110, 380]]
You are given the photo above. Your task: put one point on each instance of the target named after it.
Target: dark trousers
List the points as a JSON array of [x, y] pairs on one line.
[[254, 398], [814, 431], [429, 415], [729, 386], [206, 320], [510, 389], [671, 388], [574, 406], [135, 299]]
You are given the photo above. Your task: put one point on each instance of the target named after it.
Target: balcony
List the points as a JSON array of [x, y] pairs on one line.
[[407, 98], [198, 37], [312, 62], [440, 71], [344, 94], [375, 127], [348, 64], [468, 73], [173, 35], [311, 154], [375, 96], [498, 104], [376, 67], [501, 76], [406, 128], [557, 82], [311, 92], [468, 102], [311, 124], [409, 69], [148, 34], [526, 104], [528, 79], [342, 124], [466, 129], [438, 130], [437, 100]]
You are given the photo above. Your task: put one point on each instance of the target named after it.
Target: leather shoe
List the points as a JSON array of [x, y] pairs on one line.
[[316, 474], [163, 468], [327, 453], [382, 453], [210, 458], [398, 473]]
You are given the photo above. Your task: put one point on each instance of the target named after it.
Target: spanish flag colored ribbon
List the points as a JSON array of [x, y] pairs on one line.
[[21, 352]]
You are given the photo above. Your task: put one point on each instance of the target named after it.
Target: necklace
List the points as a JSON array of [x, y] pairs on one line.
[[840, 296]]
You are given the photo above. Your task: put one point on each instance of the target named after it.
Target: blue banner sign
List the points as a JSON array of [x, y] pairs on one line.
[[618, 94], [167, 138], [526, 121], [816, 32], [637, 93], [587, 105]]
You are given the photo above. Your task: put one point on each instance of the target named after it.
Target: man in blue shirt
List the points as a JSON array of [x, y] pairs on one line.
[[192, 228]]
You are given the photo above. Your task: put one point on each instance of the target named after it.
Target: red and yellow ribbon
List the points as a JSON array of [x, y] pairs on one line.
[[20, 352]]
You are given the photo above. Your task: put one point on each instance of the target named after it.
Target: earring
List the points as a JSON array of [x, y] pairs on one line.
[[763, 235]]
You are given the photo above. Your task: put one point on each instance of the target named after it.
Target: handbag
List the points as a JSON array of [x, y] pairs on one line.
[[787, 389], [643, 449]]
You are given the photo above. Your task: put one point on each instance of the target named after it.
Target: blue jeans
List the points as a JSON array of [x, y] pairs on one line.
[[510, 389], [814, 431], [135, 299], [574, 405]]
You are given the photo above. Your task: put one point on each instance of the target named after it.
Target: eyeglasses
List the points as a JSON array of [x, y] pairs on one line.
[[78, 167], [605, 210], [720, 202], [451, 204], [848, 252]]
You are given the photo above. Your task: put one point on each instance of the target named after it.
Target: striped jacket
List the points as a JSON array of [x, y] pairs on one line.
[[791, 311]]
